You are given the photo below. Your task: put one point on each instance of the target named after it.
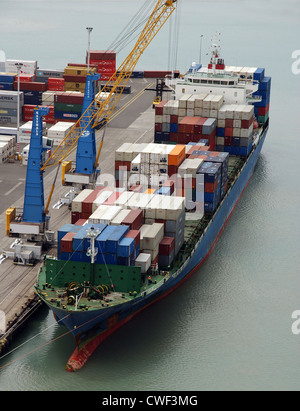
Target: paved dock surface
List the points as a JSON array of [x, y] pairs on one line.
[[132, 121]]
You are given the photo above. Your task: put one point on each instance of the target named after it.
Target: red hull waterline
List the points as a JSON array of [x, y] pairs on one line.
[[79, 357]]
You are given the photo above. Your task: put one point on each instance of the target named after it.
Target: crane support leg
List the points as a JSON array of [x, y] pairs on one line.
[[86, 148], [33, 210]]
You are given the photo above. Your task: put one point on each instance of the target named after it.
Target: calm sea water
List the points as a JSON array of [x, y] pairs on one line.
[[229, 326]]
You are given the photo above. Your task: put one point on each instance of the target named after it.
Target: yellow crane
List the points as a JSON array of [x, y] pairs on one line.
[[160, 14]]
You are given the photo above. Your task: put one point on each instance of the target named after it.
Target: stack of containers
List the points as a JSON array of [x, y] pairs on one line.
[[68, 105], [76, 206], [235, 129], [58, 131], [188, 173], [75, 77], [262, 108], [7, 81], [151, 239], [28, 67], [105, 61], [174, 125], [9, 106], [56, 84], [43, 75], [166, 252], [25, 132], [212, 185], [28, 110], [7, 148]]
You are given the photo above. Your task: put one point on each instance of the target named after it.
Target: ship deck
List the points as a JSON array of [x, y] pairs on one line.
[[132, 121]]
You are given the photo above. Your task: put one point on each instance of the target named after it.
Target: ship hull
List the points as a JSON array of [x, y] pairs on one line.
[[90, 328]]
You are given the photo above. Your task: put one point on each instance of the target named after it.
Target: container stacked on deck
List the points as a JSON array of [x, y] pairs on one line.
[[105, 61], [235, 129], [261, 109], [136, 211], [9, 106], [190, 118]]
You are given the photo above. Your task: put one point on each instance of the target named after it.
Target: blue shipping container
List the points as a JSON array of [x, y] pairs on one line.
[[114, 239], [126, 247]]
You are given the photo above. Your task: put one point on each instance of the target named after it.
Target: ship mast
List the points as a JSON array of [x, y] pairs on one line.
[[216, 65], [92, 251]]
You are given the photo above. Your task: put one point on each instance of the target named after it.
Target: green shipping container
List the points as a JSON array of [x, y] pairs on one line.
[[69, 108]]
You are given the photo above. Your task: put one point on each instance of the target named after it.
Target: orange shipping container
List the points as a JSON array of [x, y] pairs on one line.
[[177, 155]]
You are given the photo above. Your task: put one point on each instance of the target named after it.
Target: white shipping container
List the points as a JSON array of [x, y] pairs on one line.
[[78, 200], [153, 236], [102, 197], [10, 140], [190, 112], [216, 102], [143, 261], [199, 100], [120, 217], [190, 104], [237, 115], [236, 132], [158, 119], [119, 153], [110, 214], [183, 101], [198, 112], [97, 214], [153, 252], [181, 113], [248, 112], [143, 231]]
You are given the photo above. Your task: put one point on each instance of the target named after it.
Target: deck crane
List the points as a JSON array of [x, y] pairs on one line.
[[95, 115]]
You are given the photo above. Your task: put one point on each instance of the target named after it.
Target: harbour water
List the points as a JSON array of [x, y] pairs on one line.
[[229, 326]]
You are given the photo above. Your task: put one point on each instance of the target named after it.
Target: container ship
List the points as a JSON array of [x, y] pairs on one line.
[[130, 244]]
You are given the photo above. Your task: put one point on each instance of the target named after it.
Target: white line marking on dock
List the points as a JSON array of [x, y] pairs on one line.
[[12, 189]]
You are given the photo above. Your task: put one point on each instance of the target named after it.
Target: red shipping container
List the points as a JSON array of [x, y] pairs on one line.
[[66, 243], [158, 126], [228, 141], [187, 124], [173, 119], [81, 221], [112, 198], [156, 74], [30, 86], [136, 235], [166, 246], [199, 125], [85, 216], [172, 170], [119, 164], [66, 97], [105, 63], [211, 187], [74, 79], [106, 77], [87, 204], [228, 132], [27, 78], [262, 111], [134, 219], [174, 137], [106, 69], [75, 216], [229, 123], [159, 108], [102, 55], [247, 123], [212, 139], [55, 80]]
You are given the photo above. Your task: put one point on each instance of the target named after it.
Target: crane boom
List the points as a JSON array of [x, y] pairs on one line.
[[103, 109]]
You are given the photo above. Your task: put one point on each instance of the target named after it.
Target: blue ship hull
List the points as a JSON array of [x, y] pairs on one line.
[[91, 327]]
